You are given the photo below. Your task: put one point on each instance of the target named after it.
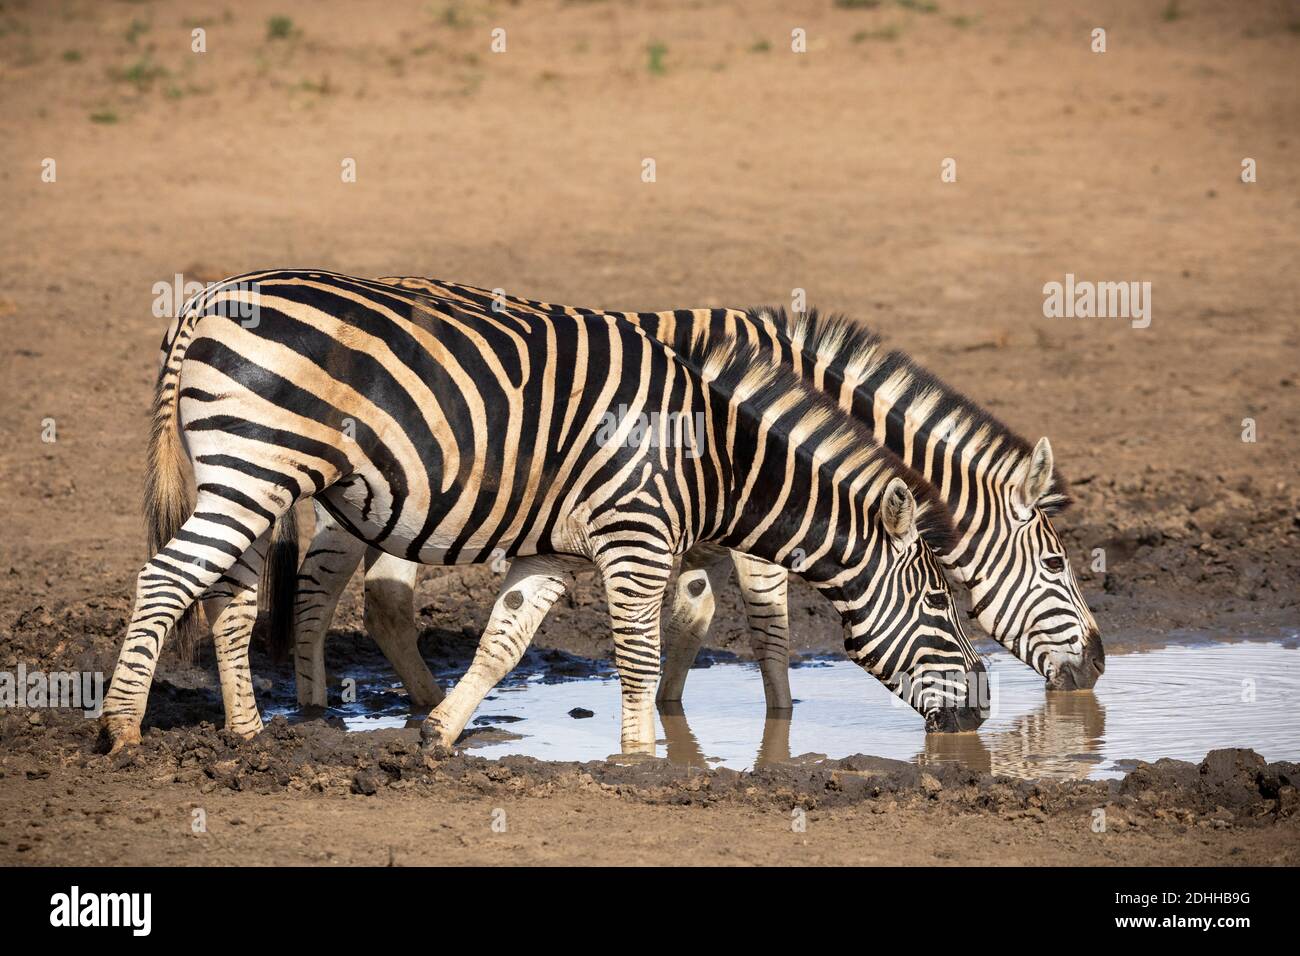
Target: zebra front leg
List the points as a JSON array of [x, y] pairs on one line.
[[331, 559], [207, 546], [694, 602], [634, 588], [231, 604], [390, 622], [765, 589], [531, 586]]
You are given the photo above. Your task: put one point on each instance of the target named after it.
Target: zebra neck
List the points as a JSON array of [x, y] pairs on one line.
[[788, 505]]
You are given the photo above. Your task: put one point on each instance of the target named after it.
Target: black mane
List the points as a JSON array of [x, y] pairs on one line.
[[839, 338]]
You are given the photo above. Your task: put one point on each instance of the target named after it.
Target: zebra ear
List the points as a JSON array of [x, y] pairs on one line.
[[1038, 476], [899, 512]]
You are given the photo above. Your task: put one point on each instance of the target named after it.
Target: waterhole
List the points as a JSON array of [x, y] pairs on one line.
[[1179, 701]]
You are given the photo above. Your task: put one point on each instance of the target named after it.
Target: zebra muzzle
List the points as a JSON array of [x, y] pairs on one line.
[[1083, 675], [954, 720]]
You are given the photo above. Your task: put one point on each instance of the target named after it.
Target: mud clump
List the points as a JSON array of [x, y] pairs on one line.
[[1227, 782]]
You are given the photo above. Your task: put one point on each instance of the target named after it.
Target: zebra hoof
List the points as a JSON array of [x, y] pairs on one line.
[[433, 736], [120, 732], [247, 733]]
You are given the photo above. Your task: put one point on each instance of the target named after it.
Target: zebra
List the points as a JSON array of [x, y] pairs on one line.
[[445, 435], [1001, 492]]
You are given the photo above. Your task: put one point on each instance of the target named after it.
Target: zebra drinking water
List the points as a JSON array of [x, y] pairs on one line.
[[446, 435], [1000, 490]]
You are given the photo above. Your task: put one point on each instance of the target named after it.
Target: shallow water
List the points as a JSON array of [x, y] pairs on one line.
[[1179, 701]]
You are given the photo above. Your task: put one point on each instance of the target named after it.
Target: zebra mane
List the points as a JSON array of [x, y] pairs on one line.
[[859, 352], [797, 412]]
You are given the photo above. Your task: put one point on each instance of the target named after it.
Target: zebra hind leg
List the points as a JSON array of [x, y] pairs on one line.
[[693, 608], [332, 557], [231, 604], [390, 622], [208, 545], [765, 589], [531, 586]]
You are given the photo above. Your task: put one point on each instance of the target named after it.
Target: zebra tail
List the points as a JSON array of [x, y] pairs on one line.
[[279, 586], [167, 499]]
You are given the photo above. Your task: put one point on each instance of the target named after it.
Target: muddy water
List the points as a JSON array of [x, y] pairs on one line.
[[1179, 701]]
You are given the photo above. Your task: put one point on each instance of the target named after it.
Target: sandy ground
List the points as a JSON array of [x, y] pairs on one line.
[[774, 171]]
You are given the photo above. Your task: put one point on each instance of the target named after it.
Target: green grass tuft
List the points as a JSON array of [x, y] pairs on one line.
[[454, 16], [322, 87], [655, 53], [137, 29], [279, 28], [141, 74], [887, 34]]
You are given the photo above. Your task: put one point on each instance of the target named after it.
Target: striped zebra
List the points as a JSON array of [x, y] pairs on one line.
[[1000, 491], [448, 435]]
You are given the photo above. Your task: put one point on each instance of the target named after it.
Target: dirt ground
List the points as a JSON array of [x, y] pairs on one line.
[[774, 171], [309, 794]]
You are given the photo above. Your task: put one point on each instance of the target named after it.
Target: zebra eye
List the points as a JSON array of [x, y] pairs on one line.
[[1054, 564], [937, 600]]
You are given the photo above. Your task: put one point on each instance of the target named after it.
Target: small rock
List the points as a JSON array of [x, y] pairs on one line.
[[364, 783], [930, 783], [1288, 801], [581, 713]]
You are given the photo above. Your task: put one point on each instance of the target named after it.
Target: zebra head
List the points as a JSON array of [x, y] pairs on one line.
[[1023, 589], [901, 623]]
